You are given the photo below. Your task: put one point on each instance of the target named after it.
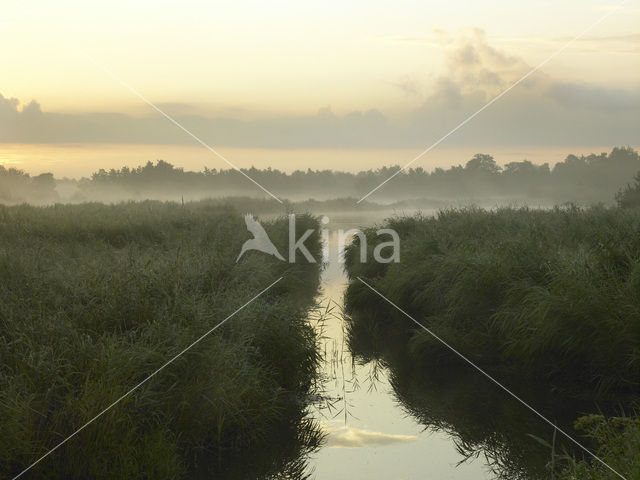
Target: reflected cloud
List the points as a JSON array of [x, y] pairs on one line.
[[354, 438]]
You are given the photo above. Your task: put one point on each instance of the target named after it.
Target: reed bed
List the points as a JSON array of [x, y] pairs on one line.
[[549, 297], [95, 297]]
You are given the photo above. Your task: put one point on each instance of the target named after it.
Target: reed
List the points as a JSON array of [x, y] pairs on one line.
[[553, 294], [550, 296], [95, 297]]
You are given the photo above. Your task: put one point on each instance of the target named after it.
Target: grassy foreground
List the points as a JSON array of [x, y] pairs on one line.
[[618, 445], [94, 298], [552, 296]]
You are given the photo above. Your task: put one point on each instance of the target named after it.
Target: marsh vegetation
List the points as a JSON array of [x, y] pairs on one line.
[[97, 297], [546, 300]]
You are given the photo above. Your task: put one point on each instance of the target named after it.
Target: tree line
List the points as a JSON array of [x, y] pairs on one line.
[[581, 179]]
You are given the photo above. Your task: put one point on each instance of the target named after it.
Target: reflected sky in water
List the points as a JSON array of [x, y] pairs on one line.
[[377, 439]]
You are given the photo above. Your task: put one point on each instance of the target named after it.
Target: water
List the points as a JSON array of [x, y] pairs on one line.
[[385, 418], [369, 434]]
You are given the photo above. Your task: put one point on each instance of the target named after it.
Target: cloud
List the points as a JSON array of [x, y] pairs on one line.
[[624, 43], [590, 97], [539, 111], [410, 87], [472, 65], [354, 437], [29, 124]]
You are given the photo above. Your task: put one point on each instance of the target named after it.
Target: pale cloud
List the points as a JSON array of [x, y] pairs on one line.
[[473, 65], [621, 43], [353, 438], [409, 86], [589, 97], [539, 111], [548, 114]]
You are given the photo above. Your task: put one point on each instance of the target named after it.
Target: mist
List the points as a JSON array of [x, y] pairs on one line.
[[583, 180]]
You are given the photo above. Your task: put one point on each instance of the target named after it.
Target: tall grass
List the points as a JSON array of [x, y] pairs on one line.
[[551, 294], [94, 298], [552, 297], [618, 440]]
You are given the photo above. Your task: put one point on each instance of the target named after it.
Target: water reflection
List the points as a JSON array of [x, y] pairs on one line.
[[283, 454], [369, 435], [386, 417], [482, 419]]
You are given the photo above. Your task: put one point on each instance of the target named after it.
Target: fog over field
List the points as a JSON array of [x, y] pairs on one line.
[[583, 180]]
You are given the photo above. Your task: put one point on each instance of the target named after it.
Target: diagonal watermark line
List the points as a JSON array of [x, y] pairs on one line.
[[500, 95], [144, 99], [470, 362], [149, 377]]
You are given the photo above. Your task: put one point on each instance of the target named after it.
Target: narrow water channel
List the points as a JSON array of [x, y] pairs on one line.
[[371, 435], [385, 418]]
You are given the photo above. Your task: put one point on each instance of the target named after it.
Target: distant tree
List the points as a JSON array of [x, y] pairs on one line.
[[519, 168], [484, 163], [18, 186], [580, 179], [629, 196], [44, 187]]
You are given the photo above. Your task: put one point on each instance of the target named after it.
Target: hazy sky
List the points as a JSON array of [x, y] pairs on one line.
[[291, 74]]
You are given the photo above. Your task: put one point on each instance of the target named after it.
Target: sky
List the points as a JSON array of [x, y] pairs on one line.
[[303, 75]]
